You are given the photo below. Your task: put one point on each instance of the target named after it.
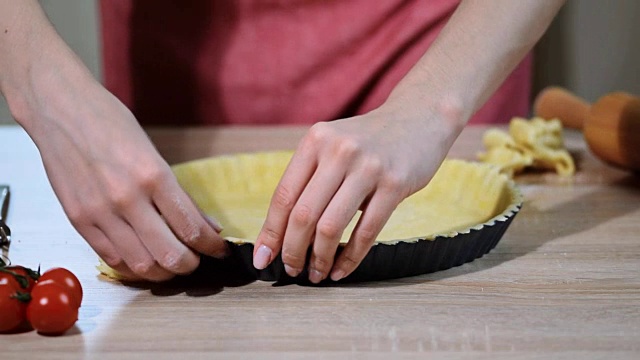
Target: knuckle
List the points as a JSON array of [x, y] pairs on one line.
[[322, 264], [393, 182], [114, 261], [293, 259], [189, 233], [372, 167], [80, 214], [144, 268], [357, 248], [271, 234], [347, 148], [318, 133], [349, 260], [282, 198], [122, 198], [302, 215], [329, 229], [177, 261], [77, 215], [152, 177], [365, 237]]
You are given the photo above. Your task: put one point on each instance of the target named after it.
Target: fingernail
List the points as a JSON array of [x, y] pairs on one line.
[[315, 276], [291, 271], [215, 223], [337, 275], [262, 258]]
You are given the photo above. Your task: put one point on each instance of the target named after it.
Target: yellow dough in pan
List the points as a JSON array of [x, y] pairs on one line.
[[237, 191]]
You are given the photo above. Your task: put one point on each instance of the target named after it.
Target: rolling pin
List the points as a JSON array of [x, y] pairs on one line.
[[611, 125]]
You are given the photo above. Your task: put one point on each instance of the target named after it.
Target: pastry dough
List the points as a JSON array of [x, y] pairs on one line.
[[237, 190], [535, 143]]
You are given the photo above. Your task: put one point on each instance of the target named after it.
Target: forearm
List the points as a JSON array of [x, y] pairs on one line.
[[475, 52], [35, 63]]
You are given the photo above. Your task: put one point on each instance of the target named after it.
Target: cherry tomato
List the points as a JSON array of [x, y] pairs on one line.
[[9, 280], [13, 307], [66, 279], [51, 310], [29, 274]]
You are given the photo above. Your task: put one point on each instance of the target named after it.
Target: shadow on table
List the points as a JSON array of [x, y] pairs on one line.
[[211, 277]]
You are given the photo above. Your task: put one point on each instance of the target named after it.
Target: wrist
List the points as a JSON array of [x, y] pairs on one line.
[[42, 88], [442, 115], [38, 71]]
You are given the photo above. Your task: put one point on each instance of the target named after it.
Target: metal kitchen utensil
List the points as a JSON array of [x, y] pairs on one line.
[[5, 232], [4, 261]]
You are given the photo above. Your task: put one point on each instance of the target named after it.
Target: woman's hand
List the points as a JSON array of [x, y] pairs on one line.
[[117, 191], [370, 163]]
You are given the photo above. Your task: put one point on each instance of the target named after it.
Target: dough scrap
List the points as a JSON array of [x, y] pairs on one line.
[[529, 144]]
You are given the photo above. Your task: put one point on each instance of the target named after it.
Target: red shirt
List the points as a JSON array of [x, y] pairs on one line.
[[274, 61]]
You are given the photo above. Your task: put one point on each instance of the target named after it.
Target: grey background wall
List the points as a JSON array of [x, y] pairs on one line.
[[593, 46], [77, 23]]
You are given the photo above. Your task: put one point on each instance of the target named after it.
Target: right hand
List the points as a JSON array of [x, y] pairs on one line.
[[115, 188]]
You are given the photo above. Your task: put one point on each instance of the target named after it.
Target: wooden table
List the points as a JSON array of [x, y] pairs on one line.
[[563, 282]]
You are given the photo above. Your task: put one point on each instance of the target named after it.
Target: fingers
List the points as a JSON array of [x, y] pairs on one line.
[[296, 176], [188, 224], [153, 241], [121, 195], [102, 246], [151, 251], [322, 212], [332, 224], [371, 222], [169, 253], [315, 202], [304, 216], [132, 250]]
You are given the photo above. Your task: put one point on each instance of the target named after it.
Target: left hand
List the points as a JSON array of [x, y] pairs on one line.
[[371, 163]]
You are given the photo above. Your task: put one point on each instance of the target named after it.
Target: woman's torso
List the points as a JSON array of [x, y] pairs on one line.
[[273, 62]]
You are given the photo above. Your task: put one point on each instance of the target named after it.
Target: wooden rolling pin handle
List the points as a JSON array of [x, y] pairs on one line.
[[556, 102]]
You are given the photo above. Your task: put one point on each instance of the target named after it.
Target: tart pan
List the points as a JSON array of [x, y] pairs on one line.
[[460, 216]]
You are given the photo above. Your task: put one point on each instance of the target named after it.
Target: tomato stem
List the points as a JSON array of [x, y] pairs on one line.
[[23, 297], [22, 280]]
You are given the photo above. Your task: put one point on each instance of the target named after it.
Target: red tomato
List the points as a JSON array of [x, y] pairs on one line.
[[66, 279], [29, 274], [52, 310], [12, 308], [10, 280]]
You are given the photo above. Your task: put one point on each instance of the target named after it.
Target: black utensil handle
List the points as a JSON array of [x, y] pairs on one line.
[[5, 194]]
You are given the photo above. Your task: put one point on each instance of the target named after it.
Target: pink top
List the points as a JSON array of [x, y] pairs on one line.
[[274, 61]]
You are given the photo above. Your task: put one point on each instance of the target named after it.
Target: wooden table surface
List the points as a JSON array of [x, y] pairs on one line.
[[564, 282]]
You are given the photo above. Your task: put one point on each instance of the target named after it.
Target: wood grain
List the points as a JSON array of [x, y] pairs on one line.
[[564, 282]]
